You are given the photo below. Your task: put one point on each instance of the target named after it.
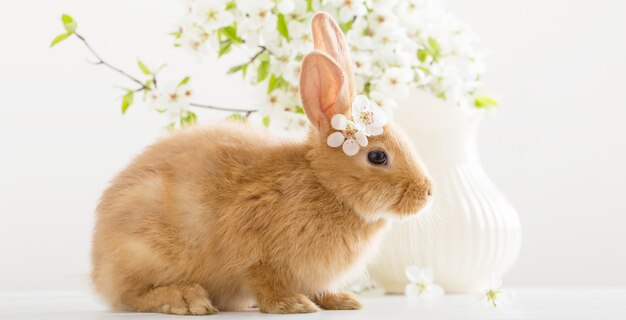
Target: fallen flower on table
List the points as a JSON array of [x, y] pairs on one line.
[[365, 286], [494, 295], [421, 283]]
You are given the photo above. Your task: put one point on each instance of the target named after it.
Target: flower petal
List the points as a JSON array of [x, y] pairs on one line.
[[350, 147], [339, 122], [374, 130], [361, 138], [380, 116], [335, 139], [506, 297], [427, 275], [433, 290], [412, 273], [495, 282], [411, 290], [360, 102]]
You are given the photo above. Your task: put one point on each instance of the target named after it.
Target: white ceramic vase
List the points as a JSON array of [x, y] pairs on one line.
[[471, 231]]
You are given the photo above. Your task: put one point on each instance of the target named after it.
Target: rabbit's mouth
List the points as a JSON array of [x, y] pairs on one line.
[[413, 199]]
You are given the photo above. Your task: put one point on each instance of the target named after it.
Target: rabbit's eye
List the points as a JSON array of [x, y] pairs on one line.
[[377, 157]]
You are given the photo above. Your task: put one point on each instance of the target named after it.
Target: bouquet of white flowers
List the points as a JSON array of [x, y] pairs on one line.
[[395, 44]]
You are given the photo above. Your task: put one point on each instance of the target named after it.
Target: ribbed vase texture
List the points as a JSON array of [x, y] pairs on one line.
[[471, 231]]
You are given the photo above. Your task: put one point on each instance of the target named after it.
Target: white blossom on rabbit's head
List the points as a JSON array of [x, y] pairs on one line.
[[368, 115], [368, 119], [349, 136]]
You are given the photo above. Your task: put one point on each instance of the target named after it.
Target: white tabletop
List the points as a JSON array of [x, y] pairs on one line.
[[530, 303]]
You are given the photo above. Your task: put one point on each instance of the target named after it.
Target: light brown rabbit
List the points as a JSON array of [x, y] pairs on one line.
[[228, 216]]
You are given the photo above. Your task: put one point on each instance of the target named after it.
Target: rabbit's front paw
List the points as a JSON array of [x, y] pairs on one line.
[[297, 303], [338, 301], [175, 299]]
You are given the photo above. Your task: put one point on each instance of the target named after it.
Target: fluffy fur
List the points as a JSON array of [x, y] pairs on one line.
[[228, 216]]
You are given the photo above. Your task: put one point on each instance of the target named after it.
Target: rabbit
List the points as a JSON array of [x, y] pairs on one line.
[[228, 216]]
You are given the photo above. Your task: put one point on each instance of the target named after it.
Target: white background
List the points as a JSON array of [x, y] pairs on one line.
[[556, 148]]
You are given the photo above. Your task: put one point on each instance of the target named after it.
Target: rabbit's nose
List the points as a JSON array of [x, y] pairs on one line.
[[429, 187]]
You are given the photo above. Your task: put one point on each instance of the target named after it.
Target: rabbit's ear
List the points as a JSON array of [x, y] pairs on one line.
[[323, 89], [328, 38]]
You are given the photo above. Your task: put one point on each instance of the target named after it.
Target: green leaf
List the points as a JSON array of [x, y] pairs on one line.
[[184, 81], [60, 38], [171, 126], [271, 85], [281, 26], [434, 48], [485, 102], [160, 68], [230, 32], [309, 6], [225, 47], [143, 68], [127, 100], [434, 44], [346, 26], [367, 88], [237, 117], [263, 70], [266, 121], [231, 5], [68, 23], [237, 68], [300, 110], [176, 34], [424, 69], [148, 85], [190, 119], [275, 83], [422, 54]]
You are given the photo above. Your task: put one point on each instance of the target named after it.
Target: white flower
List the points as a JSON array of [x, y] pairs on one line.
[[363, 63], [285, 6], [421, 283], [383, 5], [212, 14], [365, 286], [282, 101], [493, 294], [257, 11], [368, 119], [368, 115], [301, 37], [396, 45], [172, 100], [388, 104], [194, 39], [394, 82], [361, 36], [301, 11], [348, 9], [349, 136]]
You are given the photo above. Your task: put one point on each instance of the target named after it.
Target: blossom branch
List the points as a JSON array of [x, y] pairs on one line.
[[142, 86], [263, 49], [102, 62]]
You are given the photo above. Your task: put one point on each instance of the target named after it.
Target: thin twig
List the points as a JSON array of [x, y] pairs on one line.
[[144, 87], [263, 49], [101, 61], [221, 108]]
